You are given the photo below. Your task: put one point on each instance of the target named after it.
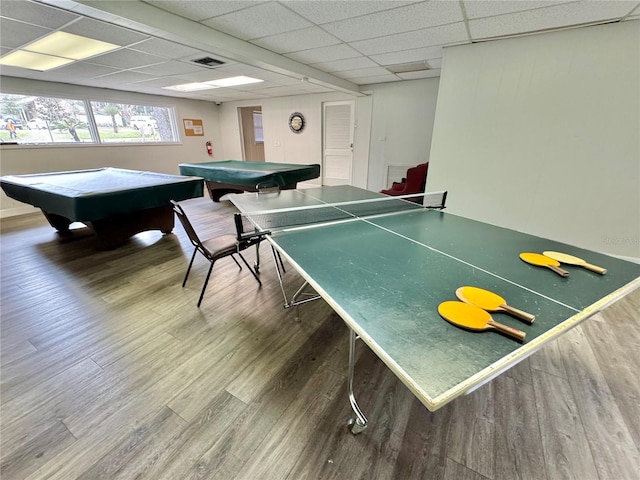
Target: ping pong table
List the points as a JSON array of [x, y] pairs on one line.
[[386, 273]]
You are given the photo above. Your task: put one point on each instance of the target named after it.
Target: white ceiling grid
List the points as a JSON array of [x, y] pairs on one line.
[[296, 46]]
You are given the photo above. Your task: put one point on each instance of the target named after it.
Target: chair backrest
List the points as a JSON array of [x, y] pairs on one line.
[[417, 178], [184, 220]]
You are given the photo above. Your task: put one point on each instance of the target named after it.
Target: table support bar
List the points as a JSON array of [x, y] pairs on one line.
[[359, 423]]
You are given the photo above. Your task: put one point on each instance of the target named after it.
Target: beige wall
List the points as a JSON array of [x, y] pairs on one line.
[[541, 134], [282, 145]]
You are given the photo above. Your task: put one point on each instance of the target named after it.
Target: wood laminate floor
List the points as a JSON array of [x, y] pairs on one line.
[[110, 371]]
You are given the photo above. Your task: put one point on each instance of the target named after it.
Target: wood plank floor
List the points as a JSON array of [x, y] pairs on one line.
[[108, 370]]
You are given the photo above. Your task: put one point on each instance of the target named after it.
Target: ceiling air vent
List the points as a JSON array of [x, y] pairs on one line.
[[208, 62]]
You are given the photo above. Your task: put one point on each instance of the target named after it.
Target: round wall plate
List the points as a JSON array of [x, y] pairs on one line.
[[296, 122]]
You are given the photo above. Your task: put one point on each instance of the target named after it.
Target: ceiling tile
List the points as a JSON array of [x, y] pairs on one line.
[[375, 79], [105, 32], [15, 34], [125, 58], [548, 18], [405, 19], [202, 76], [362, 72], [84, 70], [324, 54], [421, 74], [407, 56], [164, 48], [159, 82], [319, 12], [347, 64], [201, 9], [126, 76], [260, 21], [241, 69], [305, 39], [428, 37], [490, 8], [36, 14], [169, 68]]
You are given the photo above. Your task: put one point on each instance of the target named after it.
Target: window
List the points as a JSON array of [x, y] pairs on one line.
[[125, 123], [47, 120], [257, 127]]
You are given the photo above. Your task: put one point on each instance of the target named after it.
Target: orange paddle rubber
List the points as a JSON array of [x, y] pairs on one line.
[[475, 319], [491, 302], [543, 261]]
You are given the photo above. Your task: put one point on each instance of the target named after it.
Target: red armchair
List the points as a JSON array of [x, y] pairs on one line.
[[415, 182]]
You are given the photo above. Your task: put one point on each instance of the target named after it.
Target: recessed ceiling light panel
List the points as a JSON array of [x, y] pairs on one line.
[[68, 45], [191, 87], [234, 81], [33, 61]]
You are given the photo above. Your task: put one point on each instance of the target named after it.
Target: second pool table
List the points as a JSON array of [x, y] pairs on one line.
[[237, 176]]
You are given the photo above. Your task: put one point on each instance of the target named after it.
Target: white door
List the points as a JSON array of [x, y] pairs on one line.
[[338, 142]]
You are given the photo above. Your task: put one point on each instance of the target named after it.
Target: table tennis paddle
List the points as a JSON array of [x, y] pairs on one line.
[[473, 318], [543, 261], [571, 260], [491, 302]]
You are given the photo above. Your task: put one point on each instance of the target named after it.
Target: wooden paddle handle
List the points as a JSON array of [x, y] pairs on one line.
[[558, 270], [595, 268], [516, 312], [511, 332]]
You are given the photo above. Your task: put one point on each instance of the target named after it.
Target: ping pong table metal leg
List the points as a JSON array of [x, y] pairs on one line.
[[294, 302], [359, 423]]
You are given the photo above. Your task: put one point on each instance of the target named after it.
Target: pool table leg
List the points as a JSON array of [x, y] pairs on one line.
[[218, 190], [114, 231], [58, 222]]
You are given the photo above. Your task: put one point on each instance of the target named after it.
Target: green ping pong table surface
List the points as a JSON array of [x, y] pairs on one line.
[[386, 275]]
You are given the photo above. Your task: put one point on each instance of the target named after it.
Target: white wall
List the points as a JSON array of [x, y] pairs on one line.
[[541, 134], [163, 158], [402, 123], [284, 146]]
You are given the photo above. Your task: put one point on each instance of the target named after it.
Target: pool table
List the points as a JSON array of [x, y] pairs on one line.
[[237, 176], [114, 203]]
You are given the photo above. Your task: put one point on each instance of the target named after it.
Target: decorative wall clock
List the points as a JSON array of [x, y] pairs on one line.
[[296, 122]]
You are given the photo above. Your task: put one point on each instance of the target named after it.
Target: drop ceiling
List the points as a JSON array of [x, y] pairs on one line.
[[297, 47]]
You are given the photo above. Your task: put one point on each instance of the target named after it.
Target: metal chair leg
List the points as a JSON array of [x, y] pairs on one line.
[[204, 287], [235, 260], [184, 282]]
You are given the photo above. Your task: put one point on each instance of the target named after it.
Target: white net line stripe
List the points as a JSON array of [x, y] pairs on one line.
[[323, 213]]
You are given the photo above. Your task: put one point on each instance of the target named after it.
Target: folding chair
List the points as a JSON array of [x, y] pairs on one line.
[[216, 248]]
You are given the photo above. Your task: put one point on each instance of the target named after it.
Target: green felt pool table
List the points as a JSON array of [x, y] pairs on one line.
[[114, 203], [236, 176]]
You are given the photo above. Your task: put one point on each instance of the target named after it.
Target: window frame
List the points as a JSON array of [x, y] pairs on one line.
[[92, 124]]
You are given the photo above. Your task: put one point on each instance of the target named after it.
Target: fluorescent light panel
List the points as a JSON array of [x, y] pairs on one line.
[[56, 50], [191, 87], [233, 81], [223, 82], [33, 61], [68, 45]]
